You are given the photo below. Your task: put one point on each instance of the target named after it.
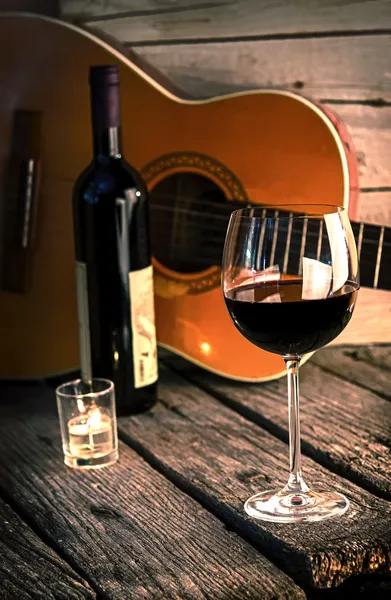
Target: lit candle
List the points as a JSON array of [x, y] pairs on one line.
[[90, 434]]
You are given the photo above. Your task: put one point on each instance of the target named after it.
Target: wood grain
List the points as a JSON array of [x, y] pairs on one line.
[[221, 458], [130, 532], [30, 569], [355, 441], [369, 367], [375, 207], [186, 19], [98, 8], [370, 129], [356, 69], [378, 355]]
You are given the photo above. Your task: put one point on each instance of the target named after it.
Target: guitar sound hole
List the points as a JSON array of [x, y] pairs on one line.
[[189, 218]]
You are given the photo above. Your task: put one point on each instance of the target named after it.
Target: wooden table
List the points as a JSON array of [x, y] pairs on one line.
[[167, 521]]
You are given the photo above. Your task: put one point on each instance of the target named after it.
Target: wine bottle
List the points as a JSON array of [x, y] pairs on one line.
[[113, 259]]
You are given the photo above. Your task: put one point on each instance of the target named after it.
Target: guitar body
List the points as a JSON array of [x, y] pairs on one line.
[[201, 159]]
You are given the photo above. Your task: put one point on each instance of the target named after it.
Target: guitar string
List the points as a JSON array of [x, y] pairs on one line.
[[188, 256], [187, 253], [221, 231], [224, 229], [234, 204], [228, 214], [366, 263], [229, 206]]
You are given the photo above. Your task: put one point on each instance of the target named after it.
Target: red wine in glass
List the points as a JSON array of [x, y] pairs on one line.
[[277, 319], [290, 283]]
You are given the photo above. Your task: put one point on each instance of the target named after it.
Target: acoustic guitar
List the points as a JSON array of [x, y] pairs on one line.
[[200, 158]]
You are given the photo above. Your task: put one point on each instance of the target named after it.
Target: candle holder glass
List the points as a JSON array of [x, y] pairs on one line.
[[88, 422]]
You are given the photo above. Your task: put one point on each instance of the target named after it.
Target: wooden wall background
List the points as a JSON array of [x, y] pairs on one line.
[[335, 51]]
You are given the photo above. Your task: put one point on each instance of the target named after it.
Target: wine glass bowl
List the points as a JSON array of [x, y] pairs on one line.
[[290, 283]]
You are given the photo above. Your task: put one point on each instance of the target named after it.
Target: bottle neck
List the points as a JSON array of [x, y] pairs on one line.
[[107, 142], [106, 120]]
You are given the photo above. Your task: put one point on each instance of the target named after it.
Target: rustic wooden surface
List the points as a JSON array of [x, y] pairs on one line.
[[356, 440], [170, 19], [220, 458], [127, 530], [196, 441], [167, 521], [368, 367], [27, 564]]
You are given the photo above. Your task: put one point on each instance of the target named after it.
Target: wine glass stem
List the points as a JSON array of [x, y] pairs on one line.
[[295, 482]]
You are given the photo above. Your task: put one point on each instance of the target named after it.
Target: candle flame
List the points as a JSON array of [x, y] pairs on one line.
[[80, 405], [94, 419]]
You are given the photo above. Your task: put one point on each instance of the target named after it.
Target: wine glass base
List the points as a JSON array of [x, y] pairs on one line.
[[285, 506]]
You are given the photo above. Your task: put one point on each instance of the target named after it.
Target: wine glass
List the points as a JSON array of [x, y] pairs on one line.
[[290, 283]]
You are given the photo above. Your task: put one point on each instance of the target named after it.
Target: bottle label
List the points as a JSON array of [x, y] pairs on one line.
[[84, 320], [143, 327]]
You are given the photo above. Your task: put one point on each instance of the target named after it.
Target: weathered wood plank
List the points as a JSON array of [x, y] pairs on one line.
[[356, 69], [97, 8], [378, 355], [344, 427], [375, 207], [130, 531], [370, 129], [30, 569], [186, 19], [358, 365], [221, 458]]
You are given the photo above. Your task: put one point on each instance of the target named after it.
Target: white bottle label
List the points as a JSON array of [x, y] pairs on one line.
[[84, 320], [143, 327]]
